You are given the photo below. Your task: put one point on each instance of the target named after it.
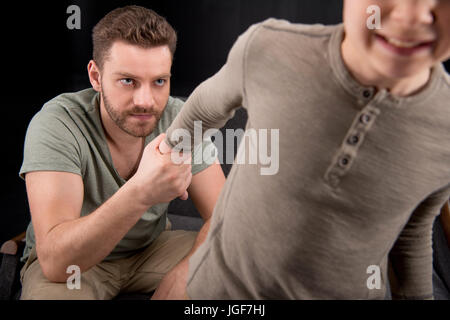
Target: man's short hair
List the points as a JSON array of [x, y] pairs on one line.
[[134, 25]]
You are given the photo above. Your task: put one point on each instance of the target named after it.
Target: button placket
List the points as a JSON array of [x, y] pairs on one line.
[[348, 151]]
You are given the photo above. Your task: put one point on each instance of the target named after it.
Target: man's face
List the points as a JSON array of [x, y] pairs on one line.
[[414, 35], [135, 86]]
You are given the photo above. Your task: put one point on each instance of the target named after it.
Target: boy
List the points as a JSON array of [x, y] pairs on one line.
[[364, 145]]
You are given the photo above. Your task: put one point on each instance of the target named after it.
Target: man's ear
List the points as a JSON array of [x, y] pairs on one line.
[[94, 76]]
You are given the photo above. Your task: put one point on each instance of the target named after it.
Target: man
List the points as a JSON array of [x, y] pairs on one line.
[[363, 119], [98, 187]]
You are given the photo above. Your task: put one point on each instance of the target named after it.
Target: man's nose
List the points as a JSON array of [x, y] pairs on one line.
[[143, 97], [412, 13]]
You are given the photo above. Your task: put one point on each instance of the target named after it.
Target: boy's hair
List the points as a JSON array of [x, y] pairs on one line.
[[134, 25]]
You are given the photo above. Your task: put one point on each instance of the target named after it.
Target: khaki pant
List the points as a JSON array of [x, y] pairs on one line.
[[139, 273]]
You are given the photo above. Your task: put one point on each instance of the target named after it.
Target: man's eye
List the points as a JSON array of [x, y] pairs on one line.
[[126, 82], [160, 82]]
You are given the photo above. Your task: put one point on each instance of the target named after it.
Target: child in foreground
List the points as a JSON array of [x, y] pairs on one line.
[[363, 117]]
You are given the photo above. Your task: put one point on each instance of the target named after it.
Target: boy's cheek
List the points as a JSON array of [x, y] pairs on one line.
[[445, 53]]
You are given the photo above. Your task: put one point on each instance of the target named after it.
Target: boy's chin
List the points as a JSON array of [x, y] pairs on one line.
[[392, 71]]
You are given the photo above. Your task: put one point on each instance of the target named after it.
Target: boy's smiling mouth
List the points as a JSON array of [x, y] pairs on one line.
[[404, 47]]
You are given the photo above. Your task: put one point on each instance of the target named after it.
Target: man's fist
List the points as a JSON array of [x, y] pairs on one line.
[[159, 178]]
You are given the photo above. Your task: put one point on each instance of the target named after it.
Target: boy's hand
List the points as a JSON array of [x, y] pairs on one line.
[[164, 148]]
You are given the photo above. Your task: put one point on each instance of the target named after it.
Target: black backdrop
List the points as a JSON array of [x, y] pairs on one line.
[[42, 58]]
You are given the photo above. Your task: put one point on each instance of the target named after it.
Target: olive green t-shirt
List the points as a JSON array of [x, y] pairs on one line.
[[67, 135]]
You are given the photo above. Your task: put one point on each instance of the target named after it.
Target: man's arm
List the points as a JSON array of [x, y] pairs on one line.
[[63, 238], [204, 192]]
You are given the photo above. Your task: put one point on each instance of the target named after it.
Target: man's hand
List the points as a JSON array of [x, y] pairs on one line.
[[164, 148], [173, 285], [159, 178]]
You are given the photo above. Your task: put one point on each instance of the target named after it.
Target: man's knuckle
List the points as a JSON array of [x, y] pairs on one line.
[[172, 178], [165, 167]]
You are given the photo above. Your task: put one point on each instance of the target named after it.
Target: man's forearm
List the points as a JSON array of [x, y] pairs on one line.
[[88, 240]]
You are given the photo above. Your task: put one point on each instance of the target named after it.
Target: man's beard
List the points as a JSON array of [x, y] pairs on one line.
[[120, 119]]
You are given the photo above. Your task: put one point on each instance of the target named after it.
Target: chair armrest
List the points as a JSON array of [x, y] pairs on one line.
[[11, 252], [12, 246]]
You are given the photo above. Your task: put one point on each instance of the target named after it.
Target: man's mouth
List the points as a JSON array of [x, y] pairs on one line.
[[404, 47], [142, 116]]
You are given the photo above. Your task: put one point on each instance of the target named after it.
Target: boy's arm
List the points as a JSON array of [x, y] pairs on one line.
[[411, 256], [215, 100]]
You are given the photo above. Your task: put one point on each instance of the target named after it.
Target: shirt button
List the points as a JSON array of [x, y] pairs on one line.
[[367, 94], [344, 161], [365, 118], [353, 140]]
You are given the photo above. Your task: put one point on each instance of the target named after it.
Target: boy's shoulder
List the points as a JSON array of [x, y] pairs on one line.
[[313, 30]]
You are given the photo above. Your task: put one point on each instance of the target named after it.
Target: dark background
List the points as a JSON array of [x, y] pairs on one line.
[[42, 58]]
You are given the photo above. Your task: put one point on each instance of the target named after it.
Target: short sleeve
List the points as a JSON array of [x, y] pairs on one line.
[[203, 155], [50, 144]]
